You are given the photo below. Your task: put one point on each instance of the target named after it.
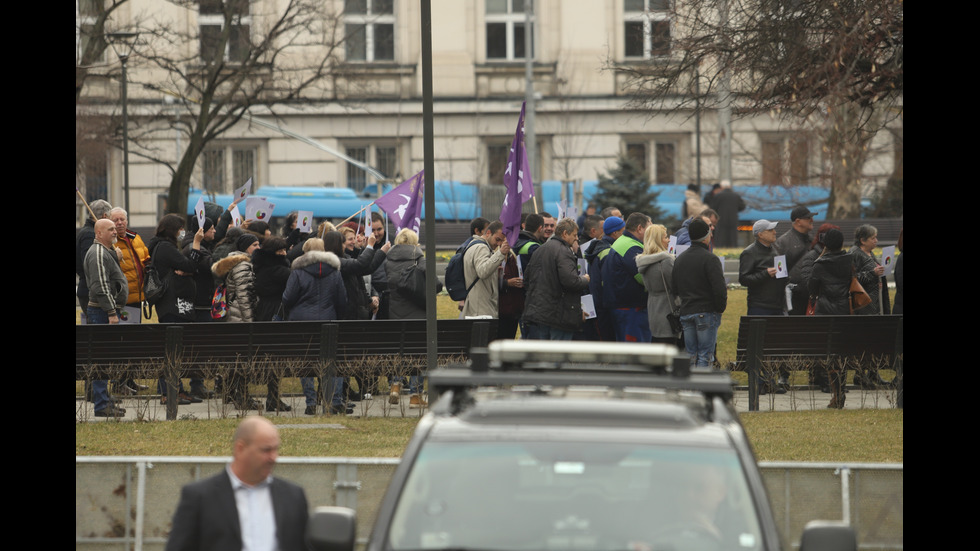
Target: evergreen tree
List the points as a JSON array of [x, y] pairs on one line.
[[628, 188]]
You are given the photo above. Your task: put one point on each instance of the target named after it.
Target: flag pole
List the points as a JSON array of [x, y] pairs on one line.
[[355, 214], [84, 202]]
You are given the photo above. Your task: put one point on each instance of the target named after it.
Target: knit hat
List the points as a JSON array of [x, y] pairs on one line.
[[698, 229], [245, 241], [612, 224]]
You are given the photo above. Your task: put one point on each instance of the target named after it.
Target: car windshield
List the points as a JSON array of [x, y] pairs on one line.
[[570, 495]]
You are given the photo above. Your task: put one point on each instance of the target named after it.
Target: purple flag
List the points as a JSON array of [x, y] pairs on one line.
[[517, 180], [404, 203]]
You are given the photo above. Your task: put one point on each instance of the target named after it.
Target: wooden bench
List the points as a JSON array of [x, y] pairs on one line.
[[306, 348], [794, 342]]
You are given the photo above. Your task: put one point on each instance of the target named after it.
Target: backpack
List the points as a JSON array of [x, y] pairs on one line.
[[455, 275], [219, 303], [154, 287]]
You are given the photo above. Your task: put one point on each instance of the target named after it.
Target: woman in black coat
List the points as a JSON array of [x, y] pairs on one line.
[[271, 274], [830, 281]]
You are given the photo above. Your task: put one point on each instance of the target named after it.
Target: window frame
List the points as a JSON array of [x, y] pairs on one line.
[[240, 20], [229, 180], [649, 18], [85, 20], [371, 158], [370, 21], [510, 19], [653, 158], [786, 169]]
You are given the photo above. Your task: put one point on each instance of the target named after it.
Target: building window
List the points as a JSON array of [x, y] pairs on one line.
[[646, 28], [661, 154], [86, 14], [785, 160], [213, 18], [370, 29], [505, 30], [499, 151], [382, 157], [218, 162]]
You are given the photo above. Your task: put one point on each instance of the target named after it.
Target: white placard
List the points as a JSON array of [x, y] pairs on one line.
[[779, 262]]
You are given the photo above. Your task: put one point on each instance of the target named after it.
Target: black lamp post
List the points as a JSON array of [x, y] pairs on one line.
[[122, 44]]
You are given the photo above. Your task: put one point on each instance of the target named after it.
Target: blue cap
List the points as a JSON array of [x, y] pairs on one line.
[[612, 224]]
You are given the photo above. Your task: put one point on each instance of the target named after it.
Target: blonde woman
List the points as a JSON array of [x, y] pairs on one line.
[[655, 266]]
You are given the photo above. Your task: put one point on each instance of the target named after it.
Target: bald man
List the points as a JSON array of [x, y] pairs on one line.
[[107, 292], [243, 507]]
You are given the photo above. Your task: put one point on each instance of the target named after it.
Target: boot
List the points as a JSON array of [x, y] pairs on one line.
[[396, 394], [417, 401]]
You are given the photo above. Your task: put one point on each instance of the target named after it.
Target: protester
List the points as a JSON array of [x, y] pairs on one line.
[[793, 245], [612, 227], [177, 272], [656, 266], [830, 281], [867, 269], [757, 273], [622, 285], [727, 204], [553, 310], [315, 291], [481, 262], [243, 506], [83, 240], [204, 290], [132, 260], [271, 274], [238, 275], [899, 272], [107, 293], [379, 277], [699, 281], [709, 216]]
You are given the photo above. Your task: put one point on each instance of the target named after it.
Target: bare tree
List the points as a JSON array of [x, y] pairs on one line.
[[241, 56], [90, 31], [835, 65]]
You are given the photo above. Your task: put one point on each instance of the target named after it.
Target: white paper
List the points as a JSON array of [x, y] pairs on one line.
[[679, 249], [888, 259], [236, 217], [583, 266], [304, 221], [243, 192], [779, 261], [572, 212], [258, 208], [588, 306], [672, 246], [788, 291], [131, 315], [561, 209], [199, 211]]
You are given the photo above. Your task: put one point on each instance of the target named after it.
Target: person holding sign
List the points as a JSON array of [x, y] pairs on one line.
[[553, 308]]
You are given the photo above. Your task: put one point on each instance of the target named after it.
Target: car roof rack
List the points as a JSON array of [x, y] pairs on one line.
[[581, 363]]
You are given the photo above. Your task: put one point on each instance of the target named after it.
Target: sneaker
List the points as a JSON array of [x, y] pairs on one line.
[[110, 412], [190, 399], [395, 396], [277, 405], [417, 401], [310, 410]]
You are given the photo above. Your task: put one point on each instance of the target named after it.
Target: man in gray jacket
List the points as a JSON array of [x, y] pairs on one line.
[[107, 292], [553, 308]]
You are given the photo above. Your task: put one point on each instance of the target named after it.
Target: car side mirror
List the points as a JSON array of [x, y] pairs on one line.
[[332, 529], [825, 535]]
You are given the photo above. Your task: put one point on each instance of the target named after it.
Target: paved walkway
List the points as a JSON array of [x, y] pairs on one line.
[[148, 407]]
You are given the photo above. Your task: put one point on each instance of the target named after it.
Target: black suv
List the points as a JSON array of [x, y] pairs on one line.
[[575, 446]]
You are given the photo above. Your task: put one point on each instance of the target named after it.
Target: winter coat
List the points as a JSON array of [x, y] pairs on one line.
[[510, 302], [480, 263], [107, 286], [353, 270], [554, 288], [864, 265], [899, 286], [315, 288], [657, 270], [764, 290], [402, 304], [830, 283], [181, 289], [727, 204], [271, 274], [622, 285], [134, 256], [693, 205], [235, 271], [83, 241], [203, 278], [699, 281], [595, 254]]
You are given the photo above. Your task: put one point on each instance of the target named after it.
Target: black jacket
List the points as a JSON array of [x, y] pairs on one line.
[[554, 288], [699, 282], [830, 283], [181, 289], [271, 274], [765, 291]]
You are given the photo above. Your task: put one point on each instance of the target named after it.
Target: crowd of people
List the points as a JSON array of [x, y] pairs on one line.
[[640, 290]]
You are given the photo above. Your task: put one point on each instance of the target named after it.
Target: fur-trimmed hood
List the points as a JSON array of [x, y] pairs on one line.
[[644, 260], [312, 258], [222, 267]]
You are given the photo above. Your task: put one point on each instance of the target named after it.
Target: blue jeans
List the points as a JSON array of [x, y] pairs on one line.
[[309, 390], [100, 389], [541, 332], [700, 336]]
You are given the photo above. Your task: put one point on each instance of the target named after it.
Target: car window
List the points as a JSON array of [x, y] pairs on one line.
[[571, 495]]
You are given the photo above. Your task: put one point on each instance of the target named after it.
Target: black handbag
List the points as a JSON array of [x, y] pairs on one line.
[[412, 283], [674, 316], [154, 288]]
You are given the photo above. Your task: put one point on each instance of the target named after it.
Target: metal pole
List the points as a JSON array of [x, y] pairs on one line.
[[125, 110], [428, 148], [530, 140]]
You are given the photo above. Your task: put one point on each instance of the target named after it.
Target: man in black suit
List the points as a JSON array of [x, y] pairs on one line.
[[244, 506]]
